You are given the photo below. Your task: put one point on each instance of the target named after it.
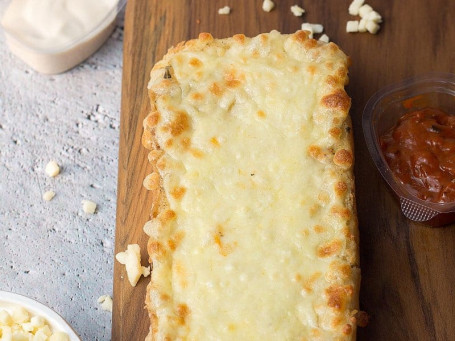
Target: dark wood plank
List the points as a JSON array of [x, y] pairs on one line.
[[407, 269]]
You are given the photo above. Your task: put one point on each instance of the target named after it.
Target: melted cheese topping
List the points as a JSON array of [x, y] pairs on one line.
[[255, 248]]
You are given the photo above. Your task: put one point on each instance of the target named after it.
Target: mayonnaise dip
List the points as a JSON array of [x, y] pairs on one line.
[[52, 36]]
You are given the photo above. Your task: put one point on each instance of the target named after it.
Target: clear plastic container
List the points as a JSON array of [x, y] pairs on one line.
[[62, 57], [436, 90]]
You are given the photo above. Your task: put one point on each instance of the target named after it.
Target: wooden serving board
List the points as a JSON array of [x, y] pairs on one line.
[[408, 270]]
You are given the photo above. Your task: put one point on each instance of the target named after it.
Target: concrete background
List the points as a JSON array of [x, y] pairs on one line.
[[53, 251]]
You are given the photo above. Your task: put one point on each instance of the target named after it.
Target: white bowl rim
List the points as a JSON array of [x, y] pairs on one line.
[[36, 308]]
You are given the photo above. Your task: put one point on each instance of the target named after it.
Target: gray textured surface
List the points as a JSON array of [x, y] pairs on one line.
[[53, 251]]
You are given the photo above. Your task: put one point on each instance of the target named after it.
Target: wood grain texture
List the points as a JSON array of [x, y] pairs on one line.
[[407, 269]]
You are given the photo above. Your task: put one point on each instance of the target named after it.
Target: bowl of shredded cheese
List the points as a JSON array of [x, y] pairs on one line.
[[22, 318]]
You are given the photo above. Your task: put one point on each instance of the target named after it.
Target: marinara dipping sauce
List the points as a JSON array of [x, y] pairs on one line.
[[420, 151]]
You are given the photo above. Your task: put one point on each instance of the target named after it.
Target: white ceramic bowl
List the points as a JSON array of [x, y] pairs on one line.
[[8, 300]]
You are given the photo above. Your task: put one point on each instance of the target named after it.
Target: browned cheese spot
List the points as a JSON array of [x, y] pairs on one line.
[[180, 274], [330, 248], [316, 152], [341, 188], [310, 43], [342, 72], [180, 124], [300, 36], [309, 283], [161, 164], [223, 248], [323, 197], [329, 65], [165, 297], [174, 242], [216, 89], [148, 139], [239, 38], [154, 155], [261, 114], [197, 153], [152, 181], [335, 132], [314, 209], [197, 96], [152, 119], [336, 321], [182, 312], [298, 277], [337, 296], [186, 143], [167, 216], [337, 100], [319, 229], [232, 80], [178, 192], [341, 212], [311, 69], [168, 143], [215, 141], [205, 37], [347, 329], [264, 38], [333, 81], [343, 158], [155, 248], [195, 62], [154, 322]]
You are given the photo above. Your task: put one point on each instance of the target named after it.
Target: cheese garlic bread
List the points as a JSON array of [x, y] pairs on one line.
[[253, 230]]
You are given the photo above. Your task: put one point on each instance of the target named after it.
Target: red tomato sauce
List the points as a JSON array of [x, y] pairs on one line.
[[420, 151]]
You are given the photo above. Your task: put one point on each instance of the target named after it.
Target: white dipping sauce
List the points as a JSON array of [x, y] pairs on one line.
[[52, 36]]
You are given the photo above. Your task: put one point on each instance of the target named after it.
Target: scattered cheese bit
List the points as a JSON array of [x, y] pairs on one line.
[[131, 258], [372, 27], [88, 206], [297, 10], [324, 38], [352, 26], [17, 324], [49, 195], [268, 5], [312, 28], [355, 6], [374, 16], [307, 27], [364, 10], [362, 25], [225, 10], [106, 302], [52, 169]]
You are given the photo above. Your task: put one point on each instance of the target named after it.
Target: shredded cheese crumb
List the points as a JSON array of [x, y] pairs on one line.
[[374, 16], [372, 27], [268, 5], [312, 28], [352, 26], [48, 195], [131, 258], [324, 38], [362, 25], [225, 10], [365, 10], [106, 302], [297, 10], [355, 6], [88, 206], [52, 169]]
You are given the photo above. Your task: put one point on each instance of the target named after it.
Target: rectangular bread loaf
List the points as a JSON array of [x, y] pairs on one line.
[[253, 230]]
